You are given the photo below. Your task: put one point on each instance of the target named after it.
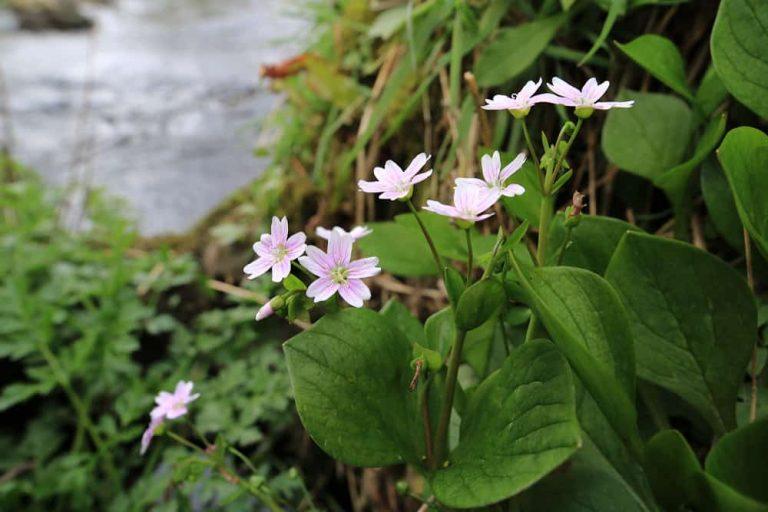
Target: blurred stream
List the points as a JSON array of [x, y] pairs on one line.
[[161, 103]]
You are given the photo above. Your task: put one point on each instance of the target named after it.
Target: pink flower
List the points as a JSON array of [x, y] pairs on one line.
[[585, 99], [494, 176], [357, 232], [469, 203], [519, 104], [174, 405], [276, 251], [395, 183], [148, 434], [337, 273]]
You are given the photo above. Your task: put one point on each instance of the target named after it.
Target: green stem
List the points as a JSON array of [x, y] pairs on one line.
[[567, 147], [529, 143], [304, 271], [470, 256], [441, 437], [435, 255], [545, 219], [230, 475], [568, 234], [424, 399]]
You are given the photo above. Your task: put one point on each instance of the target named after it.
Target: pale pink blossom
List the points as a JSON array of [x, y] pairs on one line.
[[149, 433], [394, 183], [357, 232], [494, 177], [469, 203], [174, 405], [585, 99], [520, 104], [337, 272], [276, 250]]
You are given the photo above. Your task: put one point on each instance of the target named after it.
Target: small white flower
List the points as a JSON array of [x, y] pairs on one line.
[[469, 203], [583, 100], [394, 183], [519, 104], [276, 251], [174, 405], [494, 177]]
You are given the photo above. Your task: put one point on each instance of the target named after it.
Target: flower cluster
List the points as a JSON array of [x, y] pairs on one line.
[[335, 269], [169, 406], [583, 100]]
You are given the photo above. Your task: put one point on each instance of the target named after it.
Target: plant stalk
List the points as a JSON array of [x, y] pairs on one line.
[[435, 255], [441, 437], [529, 143], [470, 256]]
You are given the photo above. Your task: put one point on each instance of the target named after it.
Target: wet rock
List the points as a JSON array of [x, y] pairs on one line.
[[49, 14]]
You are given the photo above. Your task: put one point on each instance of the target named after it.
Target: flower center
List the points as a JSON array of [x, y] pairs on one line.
[[280, 252], [339, 275]]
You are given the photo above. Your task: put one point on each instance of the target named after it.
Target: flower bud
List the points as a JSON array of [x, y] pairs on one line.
[[269, 308]]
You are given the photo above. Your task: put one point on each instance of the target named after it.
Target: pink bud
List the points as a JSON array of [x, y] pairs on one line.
[[265, 311]]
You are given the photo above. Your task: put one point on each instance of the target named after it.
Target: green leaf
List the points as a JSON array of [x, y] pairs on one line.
[[520, 425], [671, 467], [432, 358], [294, 284], [660, 57], [675, 182], [399, 316], [720, 204], [592, 241], [693, 317], [738, 460], [478, 303], [514, 49], [586, 483], [649, 138], [680, 483], [454, 284], [350, 374], [711, 92], [739, 40], [744, 157], [587, 322], [440, 331], [388, 238], [526, 207]]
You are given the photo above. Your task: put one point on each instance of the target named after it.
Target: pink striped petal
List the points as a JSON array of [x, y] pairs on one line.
[[354, 292], [362, 268], [258, 267], [322, 289]]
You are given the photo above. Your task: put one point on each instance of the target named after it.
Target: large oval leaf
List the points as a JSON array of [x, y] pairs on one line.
[[520, 425], [592, 241], [649, 138], [694, 321], [587, 322], [350, 374], [739, 40], [744, 157]]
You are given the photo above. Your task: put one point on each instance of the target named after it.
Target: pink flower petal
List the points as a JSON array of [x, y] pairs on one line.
[[393, 195], [529, 89], [605, 105], [281, 269], [421, 177], [362, 268], [471, 182], [512, 167], [258, 267], [372, 187], [416, 164], [340, 248], [354, 292], [440, 208], [279, 230], [513, 190], [322, 289], [491, 166], [564, 89]]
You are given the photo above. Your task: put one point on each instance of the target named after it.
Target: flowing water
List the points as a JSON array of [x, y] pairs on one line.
[[161, 103]]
